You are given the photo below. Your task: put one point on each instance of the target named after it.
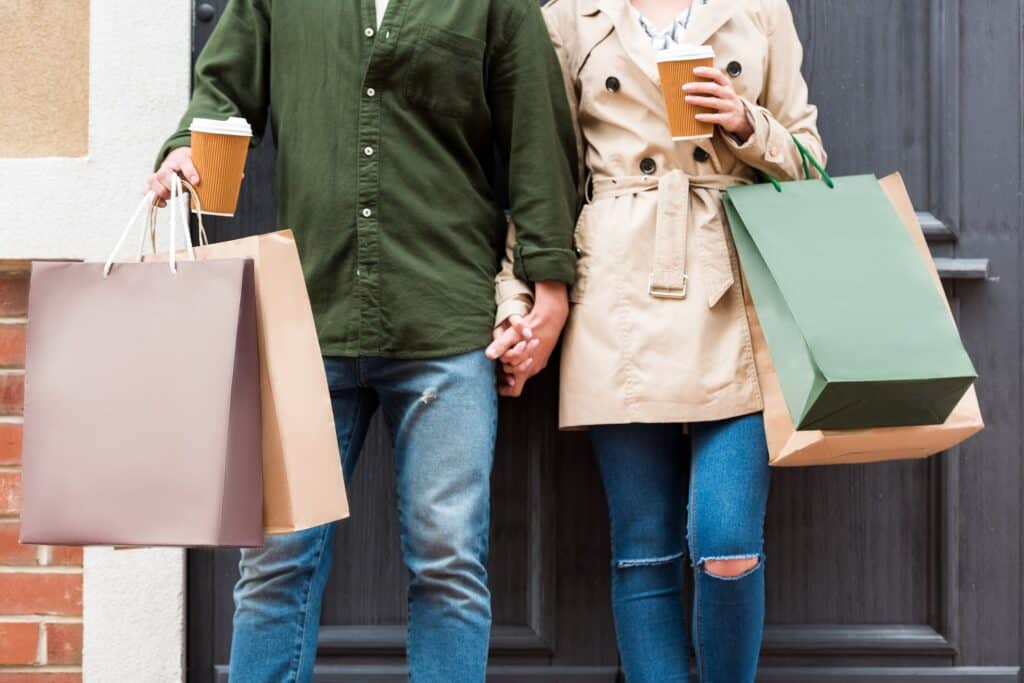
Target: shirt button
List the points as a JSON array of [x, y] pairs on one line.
[[774, 151], [368, 32], [647, 166], [734, 69], [700, 155], [368, 151], [367, 213], [611, 84], [370, 92]]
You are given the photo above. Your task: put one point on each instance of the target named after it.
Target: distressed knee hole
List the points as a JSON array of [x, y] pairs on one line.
[[730, 568], [648, 561]]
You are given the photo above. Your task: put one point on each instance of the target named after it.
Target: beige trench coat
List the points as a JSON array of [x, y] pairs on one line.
[[658, 330]]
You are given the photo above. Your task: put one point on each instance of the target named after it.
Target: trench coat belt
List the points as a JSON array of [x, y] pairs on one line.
[[668, 279]]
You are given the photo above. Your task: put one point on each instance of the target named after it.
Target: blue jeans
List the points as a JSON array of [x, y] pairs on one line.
[[646, 477], [442, 415]]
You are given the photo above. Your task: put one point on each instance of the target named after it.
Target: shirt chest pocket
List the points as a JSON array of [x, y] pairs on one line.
[[445, 72]]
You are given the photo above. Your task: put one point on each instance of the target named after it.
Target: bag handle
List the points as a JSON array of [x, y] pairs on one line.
[[204, 240], [177, 191], [150, 200], [805, 157]]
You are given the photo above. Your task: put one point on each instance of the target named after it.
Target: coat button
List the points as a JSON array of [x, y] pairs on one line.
[[647, 166], [700, 155], [734, 68], [611, 84]]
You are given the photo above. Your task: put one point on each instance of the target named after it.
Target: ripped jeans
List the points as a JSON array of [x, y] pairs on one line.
[[725, 480], [442, 414]]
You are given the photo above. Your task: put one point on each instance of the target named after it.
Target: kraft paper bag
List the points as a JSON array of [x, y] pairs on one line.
[[303, 481], [858, 334], [142, 404], [788, 446]]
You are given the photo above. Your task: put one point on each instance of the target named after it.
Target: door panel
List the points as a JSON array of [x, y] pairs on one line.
[[892, 572]]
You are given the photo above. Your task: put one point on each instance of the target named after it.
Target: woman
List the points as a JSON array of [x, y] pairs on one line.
[[657, 343]]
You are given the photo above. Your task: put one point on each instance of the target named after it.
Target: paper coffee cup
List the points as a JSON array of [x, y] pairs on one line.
[[219, 149], [675, 66]]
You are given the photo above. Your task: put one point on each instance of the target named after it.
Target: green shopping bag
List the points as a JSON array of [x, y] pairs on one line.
[[858, 333]]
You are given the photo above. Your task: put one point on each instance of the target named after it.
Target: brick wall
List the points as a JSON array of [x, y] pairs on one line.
[[40, 586]]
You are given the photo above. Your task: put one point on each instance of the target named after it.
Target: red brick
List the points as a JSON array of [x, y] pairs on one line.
[[64, 644], [12, 552], [12, 345], [12, 394], [66, 555], [10, 444], [13, 294], [39, 677], [10, 493], [41, 593], [19, 644]]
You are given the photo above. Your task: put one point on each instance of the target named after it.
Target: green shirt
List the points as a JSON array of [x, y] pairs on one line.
[[383, 140]]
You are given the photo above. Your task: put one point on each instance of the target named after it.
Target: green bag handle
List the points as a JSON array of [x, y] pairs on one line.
[[806, 157]]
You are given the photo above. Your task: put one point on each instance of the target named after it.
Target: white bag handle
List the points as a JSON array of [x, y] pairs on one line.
[[151, 224], [150, 227], [177, 209], [148, 200]]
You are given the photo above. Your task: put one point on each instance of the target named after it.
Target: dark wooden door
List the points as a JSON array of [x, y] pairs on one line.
[[891, 572]]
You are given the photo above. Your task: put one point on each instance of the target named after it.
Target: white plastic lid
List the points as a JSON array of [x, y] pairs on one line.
[[681, 52], [235, 125]]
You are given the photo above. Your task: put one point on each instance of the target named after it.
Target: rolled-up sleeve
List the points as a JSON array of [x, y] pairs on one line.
[[535, 137], [232, 76]]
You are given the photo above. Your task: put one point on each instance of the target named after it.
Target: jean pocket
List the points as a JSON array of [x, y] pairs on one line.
[[445, 73]]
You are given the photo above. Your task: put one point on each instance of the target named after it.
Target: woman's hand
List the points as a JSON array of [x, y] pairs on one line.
[[718, 94]]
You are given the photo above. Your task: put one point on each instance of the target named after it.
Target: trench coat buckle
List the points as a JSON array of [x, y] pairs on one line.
[[667, 292]]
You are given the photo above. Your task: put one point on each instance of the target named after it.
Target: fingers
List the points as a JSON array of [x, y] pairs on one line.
[[711, 103], [720, 119], [189, 171], [709, 89], [514, 368], [504, 341], [516, 330], [511, 386], [510, 392], [519, 324], [161, 192], [714, 74], [518, 353]]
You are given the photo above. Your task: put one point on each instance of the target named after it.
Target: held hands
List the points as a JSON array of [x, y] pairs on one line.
[[178, 161], [718, 94], [524, 344]]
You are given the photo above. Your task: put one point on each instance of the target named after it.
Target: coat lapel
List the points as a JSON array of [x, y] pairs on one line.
[[706, 20], [631, 36], [709, 18]]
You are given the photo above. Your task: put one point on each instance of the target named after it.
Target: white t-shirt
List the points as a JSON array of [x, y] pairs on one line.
[[382, 6]]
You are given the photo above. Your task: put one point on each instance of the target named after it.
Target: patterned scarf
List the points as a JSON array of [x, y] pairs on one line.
[[672, 34]]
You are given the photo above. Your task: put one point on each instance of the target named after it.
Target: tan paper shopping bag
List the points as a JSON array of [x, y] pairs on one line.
[[142, 410], [788, 447], [303, 482]]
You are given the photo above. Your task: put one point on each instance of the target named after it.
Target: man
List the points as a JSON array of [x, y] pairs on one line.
[[384, 114]]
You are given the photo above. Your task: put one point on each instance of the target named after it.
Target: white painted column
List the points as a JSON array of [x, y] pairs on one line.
[[134, 600]]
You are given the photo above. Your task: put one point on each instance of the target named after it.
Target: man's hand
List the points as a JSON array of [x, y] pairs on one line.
[[178, 161], [525, 345]]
